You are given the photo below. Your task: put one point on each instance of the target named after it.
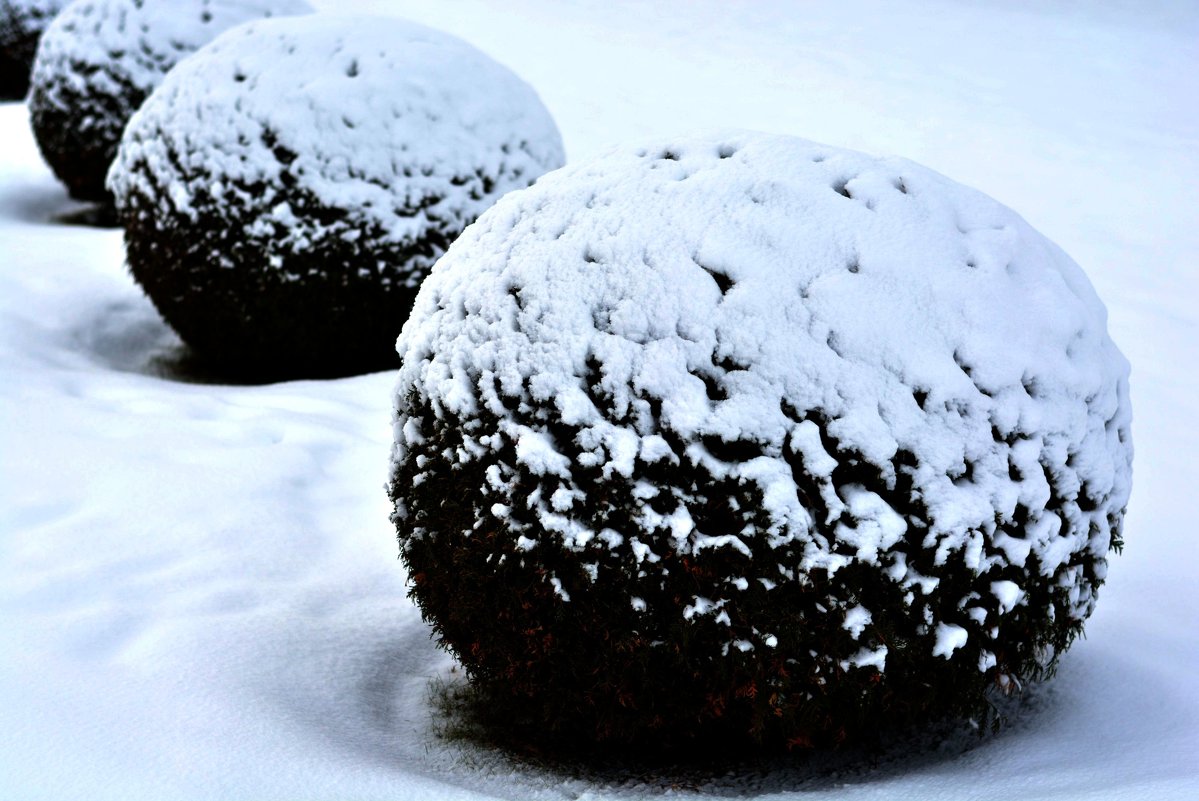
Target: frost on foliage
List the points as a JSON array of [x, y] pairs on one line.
[[100, 59], [21, 25], [886, 402], [319, 161]]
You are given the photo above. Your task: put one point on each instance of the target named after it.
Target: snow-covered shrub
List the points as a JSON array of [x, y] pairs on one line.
[[755, 435], [99, 60], [287, 188], [21, 25]]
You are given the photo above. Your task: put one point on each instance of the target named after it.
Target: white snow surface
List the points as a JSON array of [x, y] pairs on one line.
[[914, 313], [138, 41], [199, 597], [409, 128]]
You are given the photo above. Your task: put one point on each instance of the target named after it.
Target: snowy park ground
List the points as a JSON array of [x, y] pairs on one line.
[[199, 595]]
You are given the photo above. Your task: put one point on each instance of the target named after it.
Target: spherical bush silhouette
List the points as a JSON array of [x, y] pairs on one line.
[[749, 437], [287, 188], [99, 60], [21, 25]]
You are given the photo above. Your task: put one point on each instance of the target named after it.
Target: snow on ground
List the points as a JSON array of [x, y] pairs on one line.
[[199, 596]]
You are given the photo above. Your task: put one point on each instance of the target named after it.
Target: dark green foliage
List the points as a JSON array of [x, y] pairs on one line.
[[78, 131], [331, 308], [594, 669], [17, 47], [21, 25]]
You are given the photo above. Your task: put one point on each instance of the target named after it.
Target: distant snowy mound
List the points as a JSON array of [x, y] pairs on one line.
[[287, 188], [100, 59], [750, 433], [21, 25]]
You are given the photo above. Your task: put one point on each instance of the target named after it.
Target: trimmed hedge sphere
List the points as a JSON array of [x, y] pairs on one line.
[[21, 25], [752, 436], [287, 188], [100, 59]]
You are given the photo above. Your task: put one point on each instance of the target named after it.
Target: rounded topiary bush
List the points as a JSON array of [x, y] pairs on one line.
[[755, 436], [287, 188], [21, 25], [99, 60]]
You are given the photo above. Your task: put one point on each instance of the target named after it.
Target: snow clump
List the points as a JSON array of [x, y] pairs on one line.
[[99, 60], [751, 434], [287, 187], [21, 25]]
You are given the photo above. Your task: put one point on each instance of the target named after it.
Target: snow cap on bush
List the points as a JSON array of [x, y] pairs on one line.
[[752, 433], [100, 59], [21, 25], [287, 187]]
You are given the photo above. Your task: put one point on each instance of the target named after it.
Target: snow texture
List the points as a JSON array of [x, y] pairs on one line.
[[21, 25], [332, 126], [751, 294], [31, 15], [38, 12], [138, 41], [99, 59], [198, 592]]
